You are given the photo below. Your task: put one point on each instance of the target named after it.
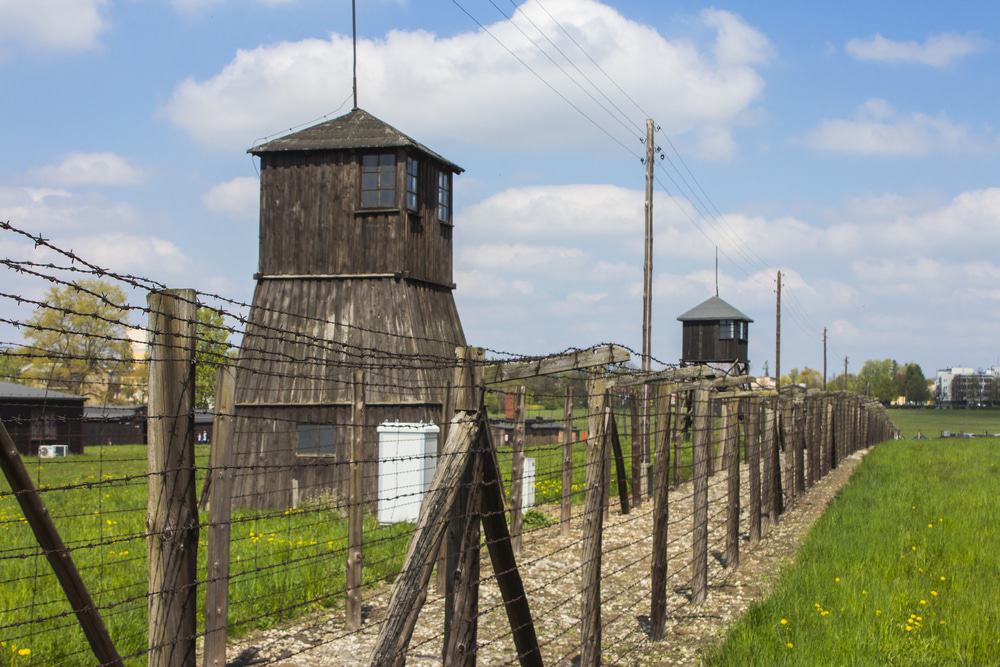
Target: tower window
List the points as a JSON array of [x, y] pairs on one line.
[[741, 330], [378, 180], [412, 169], [726, 329], [444, 197]]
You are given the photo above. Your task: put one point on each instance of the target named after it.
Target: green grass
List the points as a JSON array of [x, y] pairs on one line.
[[902, 569], [931, 422], [283, 564]]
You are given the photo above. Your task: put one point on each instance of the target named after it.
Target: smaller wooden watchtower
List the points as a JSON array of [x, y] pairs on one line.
[[715, 333]]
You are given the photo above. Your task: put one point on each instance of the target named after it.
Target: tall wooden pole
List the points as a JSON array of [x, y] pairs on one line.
[[777, 337], [844, 382], [824, 358], [647, 303], [354, 35]]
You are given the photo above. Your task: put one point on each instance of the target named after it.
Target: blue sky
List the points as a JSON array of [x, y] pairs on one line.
[[853, 146]]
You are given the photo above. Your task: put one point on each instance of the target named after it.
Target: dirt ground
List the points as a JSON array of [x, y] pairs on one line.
[[550, 568]]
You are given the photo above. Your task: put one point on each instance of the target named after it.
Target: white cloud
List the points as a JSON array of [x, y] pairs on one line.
[[90, 169], [194, 6], [937, 50], [237, 198], [58, 211], [877, 129], [491, 98], [60, 25]]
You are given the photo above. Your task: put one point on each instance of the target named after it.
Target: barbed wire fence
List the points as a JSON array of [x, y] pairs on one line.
[[359, 503]]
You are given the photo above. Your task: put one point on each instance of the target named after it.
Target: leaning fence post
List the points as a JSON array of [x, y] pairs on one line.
[[661, 518], [638, 438], [700, 439], [59, 557], [356, 504], [517, 474], [172, 509], [566, 508], [222, 473], [732, 460], [593, 524]]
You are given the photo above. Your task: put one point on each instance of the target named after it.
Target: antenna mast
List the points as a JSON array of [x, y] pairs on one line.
[[716, 270], [354, 35]]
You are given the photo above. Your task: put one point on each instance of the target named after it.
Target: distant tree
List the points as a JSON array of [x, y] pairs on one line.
[[10, 366], [810, 377], [915, 384], [877, 379], [78, 342], [211, 351]]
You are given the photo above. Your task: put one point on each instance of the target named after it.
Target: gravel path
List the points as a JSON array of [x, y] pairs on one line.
[[550, 567]]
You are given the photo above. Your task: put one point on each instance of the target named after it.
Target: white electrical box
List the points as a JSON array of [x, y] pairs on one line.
[[528, 484], [407, 459], [52, 451]]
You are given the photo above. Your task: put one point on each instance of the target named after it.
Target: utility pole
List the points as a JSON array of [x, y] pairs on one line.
[[777, 338], [647, 296], [354, 36], [845, 375], [824, 358]]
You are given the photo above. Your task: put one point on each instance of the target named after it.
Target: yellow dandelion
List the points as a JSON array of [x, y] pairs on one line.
[[941, 622], [24, 651], [836, 580], [909, 628], [923, 602], [824, 613], [930, 525], [914, 547], [942, 578], [878, 612], [784, 621], [789, 645], [934, 594]]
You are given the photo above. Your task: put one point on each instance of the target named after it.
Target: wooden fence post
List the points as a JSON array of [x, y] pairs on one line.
[[787, 435], [701, 441], [680, 401], [661, 517], [566, 506], [637, 437], [753, 466], [219, 507], [517, 474], [447, 412], [463, 532], [769, 507], [710, 435], [59, 557], [619, 456], [732, 462], [356, 504], [172, 506], [593, 523], [798, 440]]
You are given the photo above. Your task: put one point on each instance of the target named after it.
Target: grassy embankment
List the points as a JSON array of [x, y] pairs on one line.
[[902, 569]]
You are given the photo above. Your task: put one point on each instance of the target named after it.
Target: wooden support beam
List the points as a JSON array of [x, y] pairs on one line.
[[637, 436], [601, 355], [59, 557], [566, 506], [172, 507], [731, 460], [674, 375], [410, 589], [508, 577], [616, 447], [699, 544], [221, 471], [661, 519], [593, 525], [517, 473], [356, 504], [753, 466]]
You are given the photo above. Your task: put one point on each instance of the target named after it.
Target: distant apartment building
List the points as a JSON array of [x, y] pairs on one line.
[[968, 387]]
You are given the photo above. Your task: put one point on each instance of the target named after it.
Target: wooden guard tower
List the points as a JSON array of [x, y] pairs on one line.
[[715, 333], [355, 270]]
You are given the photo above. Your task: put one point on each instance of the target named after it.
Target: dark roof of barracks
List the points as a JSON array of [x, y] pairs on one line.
[[14, 390], [357, 129], [713, 308]]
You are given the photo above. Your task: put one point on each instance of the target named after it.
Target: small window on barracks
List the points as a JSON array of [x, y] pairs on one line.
[[444, 196], [412, 171], [316, 440], [378, 180]]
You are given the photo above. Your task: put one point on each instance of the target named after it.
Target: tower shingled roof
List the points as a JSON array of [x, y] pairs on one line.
[[713, 308], [357, 129]]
